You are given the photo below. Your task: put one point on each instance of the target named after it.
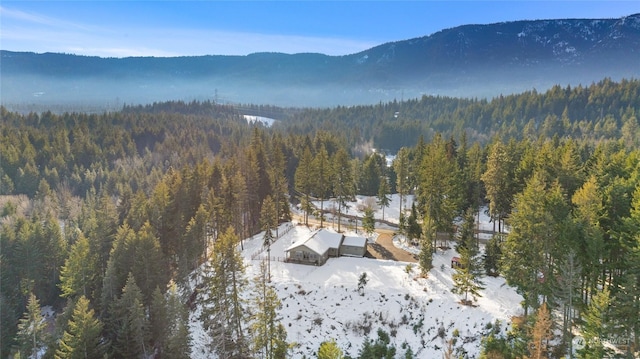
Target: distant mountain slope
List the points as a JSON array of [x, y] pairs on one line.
[[468, 61]]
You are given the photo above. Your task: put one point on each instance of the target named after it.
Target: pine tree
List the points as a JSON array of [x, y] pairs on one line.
[[466, 279], [223, 313], [195, 242], [567, 294], [128, 322], [279, 185], [466, 236], [401, 167], [368, 221], [541, 333], [498, 182], [147, 266], [82, 338], [79, 269], [595, 326], [268, 219], [265, 324], [438, 191], [493, 255], [529, 249], [31, 329], [588, 213], [304, 181], [330, 350], [343, 183], [362, 282], [322, 173], [158, 319], [425, 258], [177, 343], [383, 195], [414, 232]]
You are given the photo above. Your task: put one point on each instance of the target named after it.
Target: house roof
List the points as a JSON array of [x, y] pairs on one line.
[[320, 241], [354, 241], [332, 239]]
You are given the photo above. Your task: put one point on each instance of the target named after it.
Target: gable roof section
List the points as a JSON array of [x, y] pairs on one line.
[[320, 241], [331, 239], [354, 241], [312, 243]]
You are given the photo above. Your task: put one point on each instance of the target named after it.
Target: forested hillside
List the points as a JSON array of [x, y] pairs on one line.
[[600, 111], [105, 216]]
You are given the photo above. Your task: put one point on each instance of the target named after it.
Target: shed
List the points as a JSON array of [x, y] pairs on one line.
[[353, 246], [455, 262]]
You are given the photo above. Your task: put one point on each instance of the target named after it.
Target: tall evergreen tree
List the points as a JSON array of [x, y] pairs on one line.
[[588, 213], [269, 221], [343, 183], [223, 313], [498, 182], [128, 324], [279, 185], [322, 173], [567, 294], [82, 339], [304, 181], [401, 168], [438, 191], [79, 270], [383, 195], [466, 279], [368, 221], [541, 334], [177, 343], [595, 326], [530, 250], [267, 338], [31, 329]]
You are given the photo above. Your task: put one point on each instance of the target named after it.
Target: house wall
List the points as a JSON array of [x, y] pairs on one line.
[[304, 255]]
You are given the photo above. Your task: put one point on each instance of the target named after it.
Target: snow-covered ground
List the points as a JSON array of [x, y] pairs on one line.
[[392, 212], [322, 303], [264, 120]]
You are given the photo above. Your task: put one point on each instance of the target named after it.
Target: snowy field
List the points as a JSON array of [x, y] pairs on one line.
[[322, 303]]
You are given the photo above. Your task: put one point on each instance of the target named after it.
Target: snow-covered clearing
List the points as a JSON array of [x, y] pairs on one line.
[[322, 303]]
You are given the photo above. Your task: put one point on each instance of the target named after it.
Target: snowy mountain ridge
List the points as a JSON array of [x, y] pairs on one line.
[[465, 61]]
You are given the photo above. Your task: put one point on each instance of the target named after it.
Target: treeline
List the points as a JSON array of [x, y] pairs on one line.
[[102, 213], [596, 112]]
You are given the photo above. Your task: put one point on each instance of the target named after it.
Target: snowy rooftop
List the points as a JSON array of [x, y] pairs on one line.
[[332, 239], [354, 241]]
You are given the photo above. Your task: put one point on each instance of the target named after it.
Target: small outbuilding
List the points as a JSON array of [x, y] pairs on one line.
[[353, 246]]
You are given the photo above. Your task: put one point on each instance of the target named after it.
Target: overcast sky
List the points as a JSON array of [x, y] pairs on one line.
[[178, 28]]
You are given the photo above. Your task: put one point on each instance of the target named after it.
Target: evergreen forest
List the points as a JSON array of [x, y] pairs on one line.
[[105, 217]]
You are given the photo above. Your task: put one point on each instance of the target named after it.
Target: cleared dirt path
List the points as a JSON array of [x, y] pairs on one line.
[[384, 248]]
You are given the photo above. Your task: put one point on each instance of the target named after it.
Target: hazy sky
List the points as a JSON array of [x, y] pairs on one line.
[[175, 28]]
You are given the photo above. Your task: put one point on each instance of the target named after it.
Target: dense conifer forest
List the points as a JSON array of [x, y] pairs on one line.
[[105, 216]]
